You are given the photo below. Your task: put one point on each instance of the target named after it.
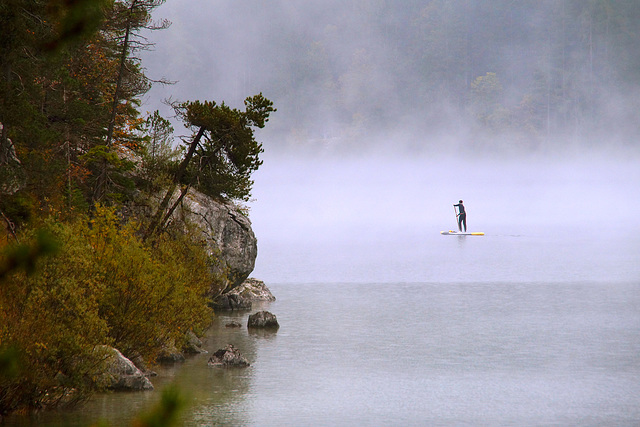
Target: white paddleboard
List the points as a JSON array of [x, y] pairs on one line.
[[460, 233]]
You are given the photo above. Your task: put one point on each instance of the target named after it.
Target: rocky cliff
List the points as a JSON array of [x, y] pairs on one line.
[[224, 227], [227, 232]]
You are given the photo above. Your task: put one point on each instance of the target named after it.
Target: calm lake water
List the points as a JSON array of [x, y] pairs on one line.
[[513, 328]]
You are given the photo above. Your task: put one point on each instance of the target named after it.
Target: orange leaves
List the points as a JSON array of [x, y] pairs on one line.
[[78, 172], [128, 132], [150, 292]]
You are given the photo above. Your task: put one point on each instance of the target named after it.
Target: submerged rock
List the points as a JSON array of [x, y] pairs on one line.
[[228, 357], [263, 320], [233, 324]]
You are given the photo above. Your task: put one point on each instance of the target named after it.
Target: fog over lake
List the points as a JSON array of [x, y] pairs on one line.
[[323, 219], [380, 128], [389, 113]]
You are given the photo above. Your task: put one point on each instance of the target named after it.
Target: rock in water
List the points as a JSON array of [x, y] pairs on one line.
[[253, 290], [122, 374], [230, 302], [264, 320], [233, 324], [193, 345], [170, 354], [228, 357], [241, 298]]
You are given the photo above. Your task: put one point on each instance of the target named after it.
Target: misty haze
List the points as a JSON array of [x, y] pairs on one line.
[[415, 75], [388, 113]]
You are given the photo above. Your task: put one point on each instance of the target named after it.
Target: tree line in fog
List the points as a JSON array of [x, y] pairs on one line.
[[531, 70]]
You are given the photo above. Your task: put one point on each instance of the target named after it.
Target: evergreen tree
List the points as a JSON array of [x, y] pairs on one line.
[[129, 18], [222, 153]]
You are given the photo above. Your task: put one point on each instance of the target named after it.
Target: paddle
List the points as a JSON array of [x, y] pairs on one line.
[[456, 212]]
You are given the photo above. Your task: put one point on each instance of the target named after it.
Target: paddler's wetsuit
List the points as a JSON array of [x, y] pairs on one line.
[[462, 217]]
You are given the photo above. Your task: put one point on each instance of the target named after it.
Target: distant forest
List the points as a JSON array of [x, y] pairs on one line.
[[529, 70], [534, 72]]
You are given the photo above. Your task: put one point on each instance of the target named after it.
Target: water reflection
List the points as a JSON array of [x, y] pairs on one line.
[[505, 329], [220, 396], [216, 396], [490, 353]]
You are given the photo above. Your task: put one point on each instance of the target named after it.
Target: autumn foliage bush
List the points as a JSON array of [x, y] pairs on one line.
[[103, 286]]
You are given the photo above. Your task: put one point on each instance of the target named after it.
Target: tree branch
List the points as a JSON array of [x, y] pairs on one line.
[[158, 218]]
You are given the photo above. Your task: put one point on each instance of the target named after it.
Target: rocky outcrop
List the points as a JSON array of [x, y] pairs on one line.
[[263, 320], [242, 297], [228, 357], [227, 232], [225, 228], [222, 226], [121, 374], [253, 290]]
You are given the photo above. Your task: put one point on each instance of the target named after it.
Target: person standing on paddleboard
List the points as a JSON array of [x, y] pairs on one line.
[[462, 216]]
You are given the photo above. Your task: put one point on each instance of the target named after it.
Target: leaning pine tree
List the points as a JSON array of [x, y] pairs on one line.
[[221, 155]]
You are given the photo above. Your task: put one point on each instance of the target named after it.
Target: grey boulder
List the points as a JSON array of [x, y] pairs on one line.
[[253, 290], [228, 357], [122, 375], [263, 320]]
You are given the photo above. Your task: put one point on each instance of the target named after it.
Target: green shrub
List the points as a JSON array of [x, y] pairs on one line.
[[103, 286], [51, 318], [153, 295]]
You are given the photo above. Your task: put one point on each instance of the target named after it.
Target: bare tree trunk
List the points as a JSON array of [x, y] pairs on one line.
[[4, 135], [4, 144], [183, 192], [10, 226], [159, 218]]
